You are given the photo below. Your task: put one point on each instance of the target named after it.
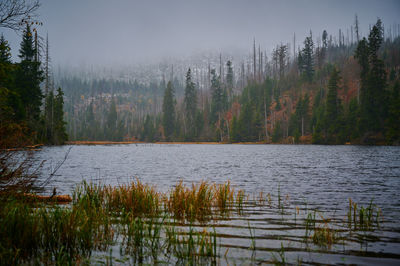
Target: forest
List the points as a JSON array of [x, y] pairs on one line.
[[31, 109], [335, 90]]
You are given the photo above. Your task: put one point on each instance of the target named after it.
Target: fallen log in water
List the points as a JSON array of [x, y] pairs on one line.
[[54, 198]]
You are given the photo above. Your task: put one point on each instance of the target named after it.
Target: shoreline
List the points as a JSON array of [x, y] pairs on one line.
[[181, 142]]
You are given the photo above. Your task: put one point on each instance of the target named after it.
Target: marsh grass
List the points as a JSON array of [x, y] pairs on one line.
[[51, 232], [363, 218], [150, 227], [195, 247], [203, 201], [280, 258], [324, 235], [191, 203]]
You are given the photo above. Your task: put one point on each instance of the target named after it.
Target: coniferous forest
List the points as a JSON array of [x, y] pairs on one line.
[[29, 114], [335, 90]]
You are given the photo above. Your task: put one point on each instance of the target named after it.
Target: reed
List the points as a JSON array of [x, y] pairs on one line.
[[195, 247], [281, 258], [324, 235], [363, 218], [150, 227], [252, 237], [198, 202], [190, 204], [52, 233], [240, 201], [224, 195], [309, 224]]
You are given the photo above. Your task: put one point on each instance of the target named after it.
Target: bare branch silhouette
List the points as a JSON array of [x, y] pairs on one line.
[[15, 13]]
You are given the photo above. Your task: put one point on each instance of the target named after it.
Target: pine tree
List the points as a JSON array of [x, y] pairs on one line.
[[373, 109], [190, 107], [246, 123], [229, 79], [377, 79], [148, 129], [306, 59], [168, 119], [28, 79], [5, 50], [11, 108], [60, 132], [219, 100]]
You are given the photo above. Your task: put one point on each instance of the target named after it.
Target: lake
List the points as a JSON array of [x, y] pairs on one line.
[[307, 177]]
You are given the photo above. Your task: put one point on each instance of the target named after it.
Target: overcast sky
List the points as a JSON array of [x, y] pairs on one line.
[[105, 32]]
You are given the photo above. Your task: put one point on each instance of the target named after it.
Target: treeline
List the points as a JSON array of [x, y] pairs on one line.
[[331, 92], [27, 115]]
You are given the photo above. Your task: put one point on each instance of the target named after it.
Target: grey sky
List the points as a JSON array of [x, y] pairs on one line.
[[121, 31]]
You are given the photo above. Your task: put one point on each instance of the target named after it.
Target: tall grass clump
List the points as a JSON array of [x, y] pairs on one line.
[[202, 201], [324, 235], [194, 247], [51, 232], [224, 196], [363, 218], [135, 198], [190, 204]]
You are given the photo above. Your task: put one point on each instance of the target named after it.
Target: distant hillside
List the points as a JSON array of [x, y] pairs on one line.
[[333, 91]]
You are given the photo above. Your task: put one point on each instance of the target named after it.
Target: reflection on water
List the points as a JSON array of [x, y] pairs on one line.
[[311, 177]]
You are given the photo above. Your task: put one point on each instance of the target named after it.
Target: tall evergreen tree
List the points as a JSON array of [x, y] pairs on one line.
[[373, 82], [168, 119], [190, 107], [148, 129], [306, 59], [5, 50], [6, 76], [229, 79], [377, 79], [28, 79], [219, 100], [60, 132]]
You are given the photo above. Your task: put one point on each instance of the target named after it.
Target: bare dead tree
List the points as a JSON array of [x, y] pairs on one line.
[[13, 13]]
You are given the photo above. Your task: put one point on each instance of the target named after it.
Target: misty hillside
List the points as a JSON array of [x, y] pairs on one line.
[[265, 97]]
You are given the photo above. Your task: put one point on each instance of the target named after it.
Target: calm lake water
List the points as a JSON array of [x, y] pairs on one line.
[[312, 177]]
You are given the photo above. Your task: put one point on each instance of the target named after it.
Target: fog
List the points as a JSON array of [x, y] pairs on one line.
[[103, 32]]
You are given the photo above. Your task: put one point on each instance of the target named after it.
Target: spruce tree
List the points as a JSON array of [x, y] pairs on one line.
[[5, 50], [219, 100], [373, 109], [229, 79], [28, 79], [190, 107], [306, 59], [10, 105], [377, 79], [60, 132], [168, 119]]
